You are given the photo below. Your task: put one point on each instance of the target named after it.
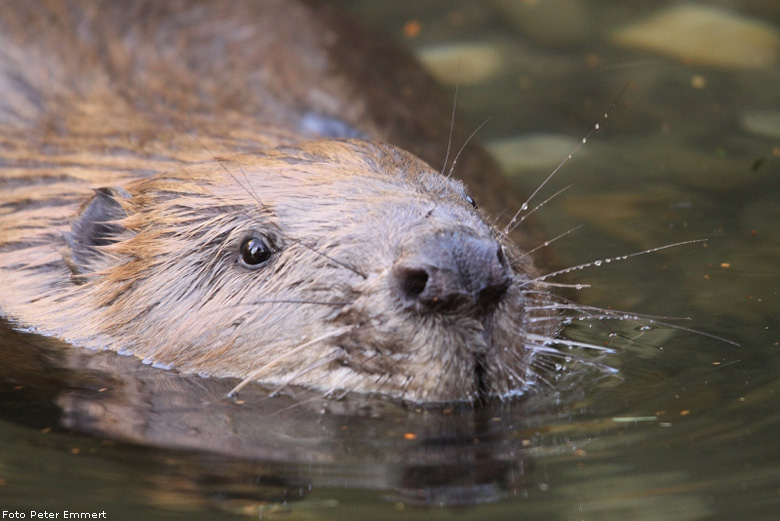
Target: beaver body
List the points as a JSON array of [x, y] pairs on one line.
[[175, 183]]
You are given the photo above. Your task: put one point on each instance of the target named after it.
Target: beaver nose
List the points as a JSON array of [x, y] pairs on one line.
[[452, 269]]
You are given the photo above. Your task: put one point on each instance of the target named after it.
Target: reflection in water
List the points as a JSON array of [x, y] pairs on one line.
[[283, 445]]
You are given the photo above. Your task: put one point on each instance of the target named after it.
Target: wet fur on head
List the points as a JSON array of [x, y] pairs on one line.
[[155, 269]]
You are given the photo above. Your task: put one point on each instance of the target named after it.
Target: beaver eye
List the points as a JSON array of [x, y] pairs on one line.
[[471, 201], [255, 251]]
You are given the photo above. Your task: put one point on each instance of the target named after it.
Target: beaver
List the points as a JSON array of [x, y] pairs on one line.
[[225, 189]]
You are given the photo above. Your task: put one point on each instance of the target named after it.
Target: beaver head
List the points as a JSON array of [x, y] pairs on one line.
[[337, 265]]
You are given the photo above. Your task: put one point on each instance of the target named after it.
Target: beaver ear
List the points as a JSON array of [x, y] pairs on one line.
[[95, 226]]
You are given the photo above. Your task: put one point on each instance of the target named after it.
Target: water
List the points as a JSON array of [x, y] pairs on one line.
[[685, 431]]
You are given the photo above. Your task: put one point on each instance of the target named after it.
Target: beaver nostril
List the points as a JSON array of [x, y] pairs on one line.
[[492, 293], [497, 280], [412, 282], [501, 256]]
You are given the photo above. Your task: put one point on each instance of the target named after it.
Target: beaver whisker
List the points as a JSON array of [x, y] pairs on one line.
[[545, 244], [452, 128], [652, 323], [296, 405], [340, 396], [576, 149], [599, 312], [561, 303], [597, 126], [567, 319], [601, 315], [407, 381], [552, 367], [607, 260], [508, 374], [551, 356], [257, 372], [333, 260], [547, 341], [378, 380], [344, 388], [252, 193], [517, 220], [292, 301], [228, 206], [328, 358], [542, 367], [577, 286], [463, 147]]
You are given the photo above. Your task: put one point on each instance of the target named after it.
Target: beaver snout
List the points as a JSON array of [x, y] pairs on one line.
[[450, 270]]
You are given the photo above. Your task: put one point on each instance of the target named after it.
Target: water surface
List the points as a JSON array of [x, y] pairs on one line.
[[687, 428]]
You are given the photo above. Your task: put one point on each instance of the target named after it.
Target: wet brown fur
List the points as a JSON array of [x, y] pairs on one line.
[[190, 113]]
